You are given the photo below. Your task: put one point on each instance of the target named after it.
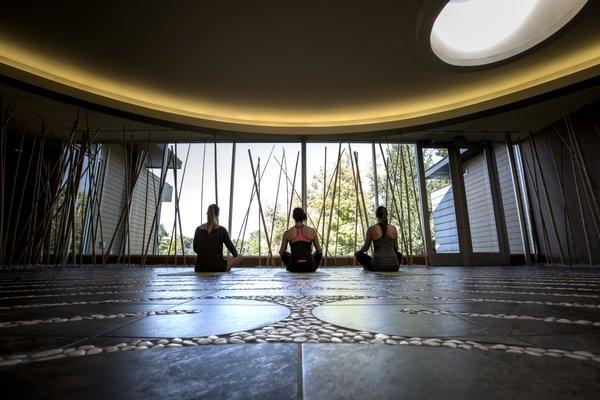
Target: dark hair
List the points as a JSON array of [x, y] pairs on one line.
[[212, 215], [382, 214], [299, 215]]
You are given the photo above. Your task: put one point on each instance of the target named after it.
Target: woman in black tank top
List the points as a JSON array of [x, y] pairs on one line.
[[386, 256], [301, 238]]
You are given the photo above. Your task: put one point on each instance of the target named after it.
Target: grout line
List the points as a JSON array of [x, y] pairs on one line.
[[299, 372]]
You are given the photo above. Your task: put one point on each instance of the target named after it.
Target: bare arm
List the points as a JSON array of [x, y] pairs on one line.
[[367, 241], [395, 238], [284, 243], [317, 244]]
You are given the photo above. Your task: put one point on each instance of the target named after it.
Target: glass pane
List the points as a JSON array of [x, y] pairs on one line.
[[440, 199], [484, 237]]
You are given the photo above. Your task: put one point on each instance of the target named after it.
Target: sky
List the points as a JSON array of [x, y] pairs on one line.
[[194, 201]]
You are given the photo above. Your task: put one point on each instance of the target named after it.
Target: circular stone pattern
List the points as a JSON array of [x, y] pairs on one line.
[[215, 317], [386, 316]]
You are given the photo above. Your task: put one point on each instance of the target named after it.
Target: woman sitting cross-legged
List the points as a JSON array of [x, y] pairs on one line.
[[208, 245], [386, 256], [301, 239]]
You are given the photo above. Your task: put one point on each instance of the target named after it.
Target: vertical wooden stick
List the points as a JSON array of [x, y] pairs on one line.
[[547, 197], [259, 203]]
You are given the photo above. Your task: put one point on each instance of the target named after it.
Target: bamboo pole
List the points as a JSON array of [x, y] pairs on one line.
[[166, 159], [395, 184], [328, 186], [548, 204], [231, 187], [335, 184], [356, 192], [362, 195], [355, 229], [533, 178], [202, 186], [410, 236], [310, 220], [276, 200], [590, 185], [292, 191], [147, 188], [22, 198], [216, 173], [259, 203], [14, 190], [324, 195], [580, 204], [122, 214], [130, 194], [337, 222], [244, 225], [416, 199], [394, 200], [259, 214], [287, 192], [567, 219], [375, 180], [5, 118], [187, 156], [35, 204]]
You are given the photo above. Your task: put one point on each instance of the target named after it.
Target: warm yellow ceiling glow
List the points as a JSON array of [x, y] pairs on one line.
[[55, 75]]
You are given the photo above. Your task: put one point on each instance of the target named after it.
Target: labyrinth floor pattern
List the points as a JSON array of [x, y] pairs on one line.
[[456, 333]]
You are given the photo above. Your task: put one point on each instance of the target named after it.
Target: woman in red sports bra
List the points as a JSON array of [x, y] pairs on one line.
[[301, 239]]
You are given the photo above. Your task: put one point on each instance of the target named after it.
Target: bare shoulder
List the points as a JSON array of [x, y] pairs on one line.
[[392, 231], [311, 233], [311, 230]]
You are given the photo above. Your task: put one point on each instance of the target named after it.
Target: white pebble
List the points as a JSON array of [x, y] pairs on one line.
[[47, 353], [7, 363]]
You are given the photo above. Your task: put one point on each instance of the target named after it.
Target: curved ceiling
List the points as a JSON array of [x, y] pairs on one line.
[[271, 66]]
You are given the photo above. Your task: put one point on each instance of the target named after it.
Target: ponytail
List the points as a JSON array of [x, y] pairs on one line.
[[212, 217], [382, 214]]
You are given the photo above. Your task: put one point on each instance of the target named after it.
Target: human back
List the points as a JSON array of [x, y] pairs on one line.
[[384, 237], [208, 244], [301, 239]]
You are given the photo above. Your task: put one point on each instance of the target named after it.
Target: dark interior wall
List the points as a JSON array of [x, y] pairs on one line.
[[562, 167], [30, 177]]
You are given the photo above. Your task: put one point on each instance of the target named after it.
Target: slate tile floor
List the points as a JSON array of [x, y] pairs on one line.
[[455, 333]]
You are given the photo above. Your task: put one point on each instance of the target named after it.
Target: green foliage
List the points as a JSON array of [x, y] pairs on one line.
[[341, 227], [167, 245]]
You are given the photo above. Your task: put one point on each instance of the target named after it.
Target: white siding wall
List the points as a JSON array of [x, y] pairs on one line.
[[444, 221], [480, 206], [482, 223], [114, 199]]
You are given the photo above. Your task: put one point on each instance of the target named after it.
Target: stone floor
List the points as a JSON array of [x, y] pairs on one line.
[[452, 333]]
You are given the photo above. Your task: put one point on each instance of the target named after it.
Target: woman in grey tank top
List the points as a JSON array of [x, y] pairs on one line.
[[384, 237]]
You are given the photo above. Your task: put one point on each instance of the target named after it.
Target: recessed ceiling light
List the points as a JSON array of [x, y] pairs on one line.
[[478, 32]]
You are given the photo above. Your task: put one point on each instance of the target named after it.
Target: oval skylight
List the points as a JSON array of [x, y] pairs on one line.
[[478, 32]]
